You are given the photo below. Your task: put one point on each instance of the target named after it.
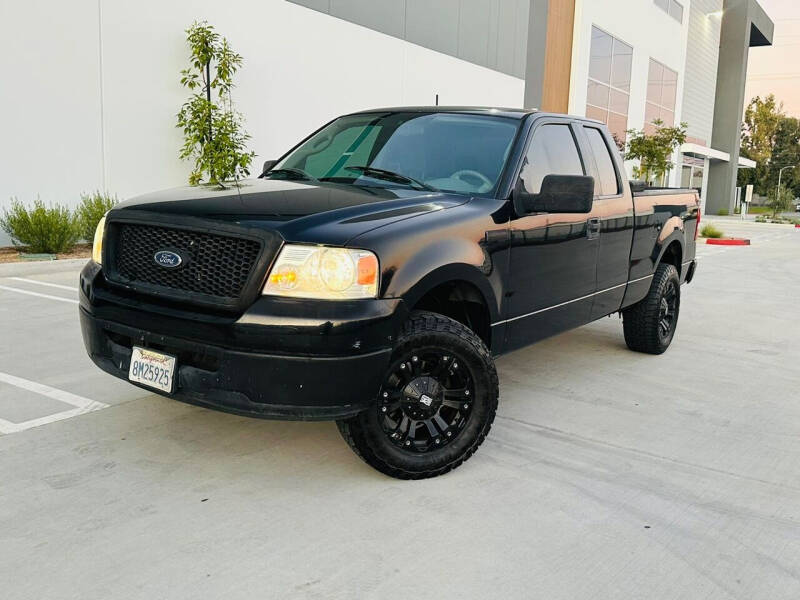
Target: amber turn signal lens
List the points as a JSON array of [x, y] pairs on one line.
[[367, 270]]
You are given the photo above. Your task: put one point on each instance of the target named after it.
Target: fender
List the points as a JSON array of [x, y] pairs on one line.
[[446, 260], [672, 231]]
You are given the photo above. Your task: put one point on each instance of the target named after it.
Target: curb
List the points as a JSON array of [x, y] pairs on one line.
[[728, 241], [49, 266]]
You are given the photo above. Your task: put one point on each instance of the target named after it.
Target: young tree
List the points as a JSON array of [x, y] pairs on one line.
[[214, 136], [762, 120], [785, 152], [780, 200], [654, 151]]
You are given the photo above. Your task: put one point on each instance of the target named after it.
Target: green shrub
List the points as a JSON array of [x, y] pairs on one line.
[[91, 210], [43, 229], [709, 231], [723, 212]]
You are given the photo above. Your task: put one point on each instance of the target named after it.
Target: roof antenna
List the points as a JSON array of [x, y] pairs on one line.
[[437, 99]]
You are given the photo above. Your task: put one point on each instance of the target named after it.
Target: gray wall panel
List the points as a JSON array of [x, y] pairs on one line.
[[490, 33], [433, 24], [386, 16], [320, 5], [700, 79], [520, 35], [474, 27]]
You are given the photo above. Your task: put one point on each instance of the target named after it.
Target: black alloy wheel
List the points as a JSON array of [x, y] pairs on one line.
[[425, 400], [650, 324], [436, 405], [668, 311]]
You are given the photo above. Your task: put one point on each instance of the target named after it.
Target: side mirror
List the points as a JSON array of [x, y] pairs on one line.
[[268, 164], [559, 194]]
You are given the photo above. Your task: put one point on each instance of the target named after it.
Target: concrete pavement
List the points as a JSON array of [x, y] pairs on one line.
[[608, 474]]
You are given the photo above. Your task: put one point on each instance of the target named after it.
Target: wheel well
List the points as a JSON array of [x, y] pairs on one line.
[[462, 302], [673, 255]]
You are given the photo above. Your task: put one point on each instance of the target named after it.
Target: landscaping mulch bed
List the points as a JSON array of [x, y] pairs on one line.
[[11, 254]]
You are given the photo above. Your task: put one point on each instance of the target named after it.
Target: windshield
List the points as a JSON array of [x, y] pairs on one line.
[[435, 151]]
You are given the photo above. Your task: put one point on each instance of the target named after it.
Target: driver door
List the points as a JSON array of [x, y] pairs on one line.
[[553, 255]]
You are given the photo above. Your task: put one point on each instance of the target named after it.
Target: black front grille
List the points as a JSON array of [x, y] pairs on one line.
[[212, 264]]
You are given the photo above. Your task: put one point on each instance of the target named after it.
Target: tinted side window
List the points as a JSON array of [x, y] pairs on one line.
[[608, 185], [552, 152]]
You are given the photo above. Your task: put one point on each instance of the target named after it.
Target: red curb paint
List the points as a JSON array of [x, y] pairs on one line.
[[728, 241]]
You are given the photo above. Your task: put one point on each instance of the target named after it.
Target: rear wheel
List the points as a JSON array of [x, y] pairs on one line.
[[435, 406], [650, 324]]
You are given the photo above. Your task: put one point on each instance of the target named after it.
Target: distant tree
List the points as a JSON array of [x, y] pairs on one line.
[[214, 135], [780, 200], [654, 151], [785, 152], [762, 122]]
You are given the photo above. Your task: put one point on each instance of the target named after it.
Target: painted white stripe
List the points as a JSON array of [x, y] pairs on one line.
[[82, 405], [541, 310], [37, 294], [71, 288]]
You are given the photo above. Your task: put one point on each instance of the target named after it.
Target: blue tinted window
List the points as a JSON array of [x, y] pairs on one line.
[[448, 151]]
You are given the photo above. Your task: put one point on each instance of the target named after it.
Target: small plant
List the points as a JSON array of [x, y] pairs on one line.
[[722, 212], [91, 209], [214, 136], [780, 200], [43, 229], [709, 231], [654, 151]]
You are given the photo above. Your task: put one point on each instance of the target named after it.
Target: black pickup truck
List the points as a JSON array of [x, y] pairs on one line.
[[372, 273]]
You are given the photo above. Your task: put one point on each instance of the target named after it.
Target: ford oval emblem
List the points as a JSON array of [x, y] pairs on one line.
[[167, 259]]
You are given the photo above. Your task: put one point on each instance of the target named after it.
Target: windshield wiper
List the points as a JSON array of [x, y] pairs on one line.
[[293, 171], [391, 176]]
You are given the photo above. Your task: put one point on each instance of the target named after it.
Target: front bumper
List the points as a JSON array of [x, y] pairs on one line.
[[296, 360]]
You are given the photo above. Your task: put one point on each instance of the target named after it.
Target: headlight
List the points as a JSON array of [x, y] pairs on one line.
[[323, 273], [97, 245]]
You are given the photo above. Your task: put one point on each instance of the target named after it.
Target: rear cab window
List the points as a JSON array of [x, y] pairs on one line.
[[607, 180]]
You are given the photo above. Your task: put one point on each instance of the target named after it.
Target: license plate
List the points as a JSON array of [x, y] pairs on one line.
[[152, 369]]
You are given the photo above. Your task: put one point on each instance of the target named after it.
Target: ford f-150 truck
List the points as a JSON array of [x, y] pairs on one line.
[[371, 275]]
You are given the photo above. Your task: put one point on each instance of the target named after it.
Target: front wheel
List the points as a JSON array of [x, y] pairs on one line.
[[650, 324], [435, 406]]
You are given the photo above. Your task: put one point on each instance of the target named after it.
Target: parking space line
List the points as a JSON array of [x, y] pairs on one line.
[[71, 288], [82, 405], [37, 294]]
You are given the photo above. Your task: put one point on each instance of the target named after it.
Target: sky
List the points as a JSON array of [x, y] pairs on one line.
[[776, 69]]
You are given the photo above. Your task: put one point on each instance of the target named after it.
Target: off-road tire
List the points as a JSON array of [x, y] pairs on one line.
[[641, 321], [366, 436]]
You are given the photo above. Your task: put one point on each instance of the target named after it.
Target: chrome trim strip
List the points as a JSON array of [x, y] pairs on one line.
[[541, 310]]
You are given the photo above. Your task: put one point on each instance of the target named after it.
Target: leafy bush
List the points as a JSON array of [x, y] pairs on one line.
[[723, 212], [91, 210], [780, 200], [43, 229], [709, 231]]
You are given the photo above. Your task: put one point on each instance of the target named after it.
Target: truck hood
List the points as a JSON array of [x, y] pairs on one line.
[[328, 213]]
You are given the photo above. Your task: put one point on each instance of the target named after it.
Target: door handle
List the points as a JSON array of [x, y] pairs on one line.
[[593, 228]]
